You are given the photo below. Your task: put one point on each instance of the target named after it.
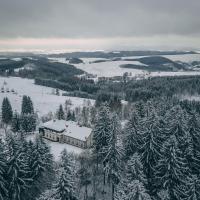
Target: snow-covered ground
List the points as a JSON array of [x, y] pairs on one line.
[[57, 148], [104, 69], [179, 73], [43, 99], [112, 68], [184, 58]]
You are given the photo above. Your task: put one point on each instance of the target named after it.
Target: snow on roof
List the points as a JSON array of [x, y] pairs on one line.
[[56, 125], [76, 131], [69, 128]]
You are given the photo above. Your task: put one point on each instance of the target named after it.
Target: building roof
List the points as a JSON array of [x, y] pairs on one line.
[[69, 128], [56, 125]]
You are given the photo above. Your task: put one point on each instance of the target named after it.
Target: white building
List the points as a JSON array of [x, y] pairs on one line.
[[67, 132]]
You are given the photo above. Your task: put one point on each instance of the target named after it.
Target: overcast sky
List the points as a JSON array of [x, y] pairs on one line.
[[99, 24]]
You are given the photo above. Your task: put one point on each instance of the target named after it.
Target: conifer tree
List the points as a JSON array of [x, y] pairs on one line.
[[27, 118], [133, 184], [28, 122], [172, 168], [151, 143], [60, 113], [194, 130], [18, 171], [131, 139], [101, 132], [27, 105], [6, 111], [85, 116], [192, 188], [84, 172], [41, 167], [15, 122], [113, 155], [140, 109], [3, 168], [64, 188]]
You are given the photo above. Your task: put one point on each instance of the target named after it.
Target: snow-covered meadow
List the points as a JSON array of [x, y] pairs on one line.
[[43, 99], [112, 68], [104, 69]]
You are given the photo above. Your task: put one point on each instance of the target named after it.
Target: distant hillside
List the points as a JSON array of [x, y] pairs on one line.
[[48, 73], [74, 60], [102, 54], [155, 63]]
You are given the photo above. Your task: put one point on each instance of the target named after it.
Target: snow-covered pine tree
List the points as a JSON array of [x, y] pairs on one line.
[[192, 188], [151, 138], [131, 139], [60, 113], [177, 124], [113, 155], [84, 172], [45, 153], [30, 108], [40, 171], [135, 169], [140, 109], [101, 136], [47, 195], [69, 115], [93, 113], [85, 116], [73, 118], [194, 130], [3, 168], [65, 187], [18, 171], [27, 105], [57, 92], [40, 163], [6, 111], [27, 118], [137, 191], [101, 132], [163, 195], [172, 168], [15, 122], [28, 122], [134, 181]]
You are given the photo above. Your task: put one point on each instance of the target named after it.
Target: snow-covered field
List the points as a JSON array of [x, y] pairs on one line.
[[43, 99], [184, 58], [112, 68], [105, 69]]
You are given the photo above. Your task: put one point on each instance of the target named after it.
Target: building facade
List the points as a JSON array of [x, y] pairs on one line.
[[67, 132]]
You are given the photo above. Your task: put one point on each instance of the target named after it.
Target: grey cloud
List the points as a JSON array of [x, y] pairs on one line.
[[98, 18]]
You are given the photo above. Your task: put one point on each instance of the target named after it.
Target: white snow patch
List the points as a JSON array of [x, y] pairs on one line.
[[184, 58], [16, 59], [57, 148], [43, 99]]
